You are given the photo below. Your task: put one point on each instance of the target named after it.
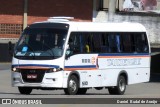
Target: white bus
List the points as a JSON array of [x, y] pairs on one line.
[[76, 56]]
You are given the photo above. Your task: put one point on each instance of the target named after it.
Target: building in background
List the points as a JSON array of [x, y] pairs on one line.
[[15, 15], [146, 12]]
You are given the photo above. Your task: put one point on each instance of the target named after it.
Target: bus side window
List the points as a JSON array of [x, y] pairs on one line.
[[86, 42], [127, 42], [104, 43], [96, 42], [141, 43], [118, 42], [114, 43], [74, 43]]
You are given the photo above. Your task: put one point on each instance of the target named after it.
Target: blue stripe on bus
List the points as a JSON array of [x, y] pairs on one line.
[[38, 65]]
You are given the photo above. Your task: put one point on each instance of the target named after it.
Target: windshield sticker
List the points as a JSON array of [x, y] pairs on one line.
[[20, 54], [24, 49], [32, 54]]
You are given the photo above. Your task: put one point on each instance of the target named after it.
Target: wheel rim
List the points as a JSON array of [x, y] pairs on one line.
[[72, 85], [121, 85]]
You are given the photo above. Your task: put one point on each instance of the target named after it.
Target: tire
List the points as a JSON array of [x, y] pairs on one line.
[[72, 87], [82, 91], [25, 90], [120, 88]]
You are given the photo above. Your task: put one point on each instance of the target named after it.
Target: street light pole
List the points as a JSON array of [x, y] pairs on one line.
[[25, 14]]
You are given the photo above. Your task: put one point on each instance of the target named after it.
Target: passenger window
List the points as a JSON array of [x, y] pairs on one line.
[[81, 42], [104, 43], [96, 42], [74, 43], [87, 43], [141, 43], [127, 43], [118, 42], [99, 42], [114, 41]]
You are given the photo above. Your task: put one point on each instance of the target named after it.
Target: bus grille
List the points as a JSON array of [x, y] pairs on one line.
[[32, 76]]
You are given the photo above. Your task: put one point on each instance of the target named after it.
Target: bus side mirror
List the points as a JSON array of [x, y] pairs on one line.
[[68, 54]]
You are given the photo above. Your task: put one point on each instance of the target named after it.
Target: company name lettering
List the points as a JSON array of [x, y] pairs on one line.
[[124, 62]]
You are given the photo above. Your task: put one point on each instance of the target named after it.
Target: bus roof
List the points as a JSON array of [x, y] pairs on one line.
[[107, 27], [102, 27]]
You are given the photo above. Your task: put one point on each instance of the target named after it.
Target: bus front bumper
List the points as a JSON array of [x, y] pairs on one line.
[[50, 80]]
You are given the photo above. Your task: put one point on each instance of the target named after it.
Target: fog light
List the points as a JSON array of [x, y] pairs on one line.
[[54, 79], [14, 79], [14, 69]]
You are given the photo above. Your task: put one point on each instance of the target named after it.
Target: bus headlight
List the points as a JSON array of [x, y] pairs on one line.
[[15, 69], [54, 70]]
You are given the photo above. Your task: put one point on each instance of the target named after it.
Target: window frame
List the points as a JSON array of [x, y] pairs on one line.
[[133, 45]]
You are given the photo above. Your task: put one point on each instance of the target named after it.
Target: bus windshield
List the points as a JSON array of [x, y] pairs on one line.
[[41, 43]]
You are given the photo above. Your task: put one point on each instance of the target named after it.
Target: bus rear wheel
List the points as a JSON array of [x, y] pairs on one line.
[[73, 86], [120, 88], [25, 90]]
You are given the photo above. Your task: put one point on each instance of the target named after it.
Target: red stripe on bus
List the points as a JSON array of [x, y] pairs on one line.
[[32, 67], [72, 69]]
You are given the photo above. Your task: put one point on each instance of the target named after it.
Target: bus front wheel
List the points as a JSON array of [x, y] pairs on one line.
[[73, 86], [120, 88], [25, 90]]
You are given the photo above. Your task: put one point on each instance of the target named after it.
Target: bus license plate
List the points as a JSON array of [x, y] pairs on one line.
[[31, 76]]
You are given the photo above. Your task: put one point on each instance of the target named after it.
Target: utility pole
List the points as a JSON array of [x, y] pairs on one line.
[[25, 14], [112, 10]]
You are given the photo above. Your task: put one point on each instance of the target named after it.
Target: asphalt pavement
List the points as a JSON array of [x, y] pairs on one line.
[[142, 90]]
